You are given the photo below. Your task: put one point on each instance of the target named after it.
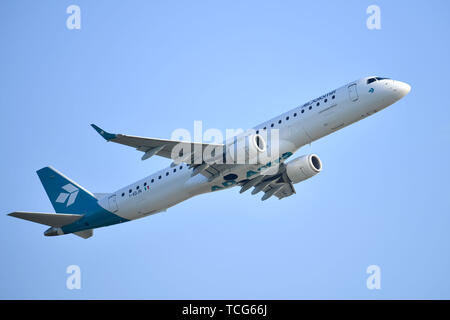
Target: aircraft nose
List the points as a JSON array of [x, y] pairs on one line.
[[402, 88]]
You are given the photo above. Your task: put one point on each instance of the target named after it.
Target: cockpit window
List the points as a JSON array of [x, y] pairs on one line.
[[370, 80]]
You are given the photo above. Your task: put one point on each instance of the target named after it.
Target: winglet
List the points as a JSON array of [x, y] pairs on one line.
[[106, 135]]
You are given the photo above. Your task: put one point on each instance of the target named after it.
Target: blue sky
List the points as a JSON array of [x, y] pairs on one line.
[[147, 68]]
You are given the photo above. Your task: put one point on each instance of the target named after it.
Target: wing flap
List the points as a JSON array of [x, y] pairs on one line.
[[278, 185], [287, 191], [288, 188]]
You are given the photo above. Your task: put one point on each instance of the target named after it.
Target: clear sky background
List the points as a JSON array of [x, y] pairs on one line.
[[149, 67]]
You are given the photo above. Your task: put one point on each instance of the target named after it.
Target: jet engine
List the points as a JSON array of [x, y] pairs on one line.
[[303, 168], [248, 149]]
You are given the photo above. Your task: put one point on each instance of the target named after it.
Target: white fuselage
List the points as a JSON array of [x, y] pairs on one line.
[[298, 127]]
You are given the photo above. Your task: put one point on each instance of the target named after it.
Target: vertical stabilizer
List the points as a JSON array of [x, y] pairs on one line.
[[66, 195]]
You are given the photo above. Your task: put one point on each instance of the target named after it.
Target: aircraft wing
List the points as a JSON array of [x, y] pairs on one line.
[[151, 146], [281, 187], [286, 191], [277, 185]]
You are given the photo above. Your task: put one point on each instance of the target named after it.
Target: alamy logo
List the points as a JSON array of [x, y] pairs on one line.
[[71, 194]]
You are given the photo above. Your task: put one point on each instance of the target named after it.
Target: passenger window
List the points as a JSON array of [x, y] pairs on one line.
[[310, 107], [167, 173], [175, 170], [130, 191], [295, 114], [325, 100], [271, 125], [137, 188], [303, 110], [123, 194], [159, 177], [333, 97], [153, 180], [287, 118], [279, 121], [318, 104]]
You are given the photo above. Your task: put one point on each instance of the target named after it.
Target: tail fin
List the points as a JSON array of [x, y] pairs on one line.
[[66, 195]]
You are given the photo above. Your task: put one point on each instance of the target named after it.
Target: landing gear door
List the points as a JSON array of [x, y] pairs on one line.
[[112, 202], [352, 92]]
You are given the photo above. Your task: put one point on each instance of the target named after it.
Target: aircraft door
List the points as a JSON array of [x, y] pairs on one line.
[[352, 92]]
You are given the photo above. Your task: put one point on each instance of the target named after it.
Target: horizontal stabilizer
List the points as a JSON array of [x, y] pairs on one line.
[[49, 219], [85, 233]]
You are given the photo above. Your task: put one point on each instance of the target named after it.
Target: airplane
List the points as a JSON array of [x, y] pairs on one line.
[[214, 167]]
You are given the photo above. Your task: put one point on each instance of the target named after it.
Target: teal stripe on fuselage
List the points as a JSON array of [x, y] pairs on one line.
[[97, 219]]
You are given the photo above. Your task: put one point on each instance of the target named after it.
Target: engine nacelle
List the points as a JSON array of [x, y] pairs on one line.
[[303, 168], [248, 149]]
